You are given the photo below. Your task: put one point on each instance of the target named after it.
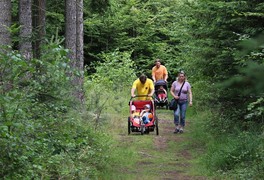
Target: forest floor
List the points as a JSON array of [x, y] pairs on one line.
[[167, 156]]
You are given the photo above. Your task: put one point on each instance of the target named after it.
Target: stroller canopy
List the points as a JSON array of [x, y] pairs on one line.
[[160, 83]]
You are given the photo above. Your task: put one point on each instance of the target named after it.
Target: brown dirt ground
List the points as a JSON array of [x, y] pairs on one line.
[[161, 143]]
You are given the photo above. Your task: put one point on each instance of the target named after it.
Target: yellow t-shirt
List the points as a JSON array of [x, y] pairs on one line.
[[159, 73], [143, 89]]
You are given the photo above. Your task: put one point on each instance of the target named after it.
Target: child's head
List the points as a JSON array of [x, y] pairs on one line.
[[133, 108], [147, 107]]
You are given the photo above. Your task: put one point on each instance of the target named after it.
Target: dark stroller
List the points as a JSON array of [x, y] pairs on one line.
[[161, 99]]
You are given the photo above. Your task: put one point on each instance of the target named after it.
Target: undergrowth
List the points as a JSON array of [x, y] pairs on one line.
[[237, 155], [43, 134]]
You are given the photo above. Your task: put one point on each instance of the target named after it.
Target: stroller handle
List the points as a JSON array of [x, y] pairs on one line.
[[141, 96]]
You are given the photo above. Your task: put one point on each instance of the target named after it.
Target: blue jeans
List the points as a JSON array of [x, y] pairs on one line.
[[145, 120], [179, 114]]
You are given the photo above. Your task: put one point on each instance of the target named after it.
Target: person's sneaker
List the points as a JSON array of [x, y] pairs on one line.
[[181, 130], [177, 130]]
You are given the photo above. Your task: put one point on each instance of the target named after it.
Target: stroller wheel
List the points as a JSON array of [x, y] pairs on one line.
[[157, 125], [128, 125], [142, 128]]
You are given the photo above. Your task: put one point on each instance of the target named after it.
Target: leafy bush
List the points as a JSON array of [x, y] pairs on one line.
[[107, 96], [41, 134], [109, 87], [115, 71], [235, 154]]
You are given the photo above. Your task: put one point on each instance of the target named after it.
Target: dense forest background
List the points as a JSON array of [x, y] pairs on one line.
[[47, 130]]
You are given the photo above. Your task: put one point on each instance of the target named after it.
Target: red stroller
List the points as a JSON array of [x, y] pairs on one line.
[[135, 122]]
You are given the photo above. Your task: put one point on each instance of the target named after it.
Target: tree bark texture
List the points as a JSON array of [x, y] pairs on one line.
[[5, 22], [79, 32], [79, 48], [74, 42], [70, 41], [39, 23], [25, 20]]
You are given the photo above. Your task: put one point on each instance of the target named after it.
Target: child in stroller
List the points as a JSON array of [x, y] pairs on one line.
[[162, 93], [135, 114], [145, 115], [142, 117], [161, 98]]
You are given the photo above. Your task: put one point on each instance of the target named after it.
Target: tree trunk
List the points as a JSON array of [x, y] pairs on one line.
[[5, 22], [25, 19], [5, 40], [74, 42], [70, 41], [39, 22], [79, 49]]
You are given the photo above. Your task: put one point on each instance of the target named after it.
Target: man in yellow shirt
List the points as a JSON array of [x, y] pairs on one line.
[[159, 72], [143, 86]]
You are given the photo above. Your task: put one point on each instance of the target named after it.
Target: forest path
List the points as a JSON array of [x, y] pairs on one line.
[[163, 157]]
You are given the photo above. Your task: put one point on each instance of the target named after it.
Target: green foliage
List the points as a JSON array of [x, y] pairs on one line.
[[251, 86], [116, 71], [99, 5], [41, 135], [55, 18], [204, 39], [240, 155], [107, 96], [109, 87], [146, 29], [223, 55], [213, 55], [256, 110], [218, 43]]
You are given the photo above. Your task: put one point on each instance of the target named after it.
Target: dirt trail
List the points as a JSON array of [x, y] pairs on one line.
[[183, 155], [165, 158]]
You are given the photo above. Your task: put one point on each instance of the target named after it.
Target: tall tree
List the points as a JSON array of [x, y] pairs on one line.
[[70, 30], [39, 23], [79, 47], [5, 22], [25, 20], [74, 42]]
